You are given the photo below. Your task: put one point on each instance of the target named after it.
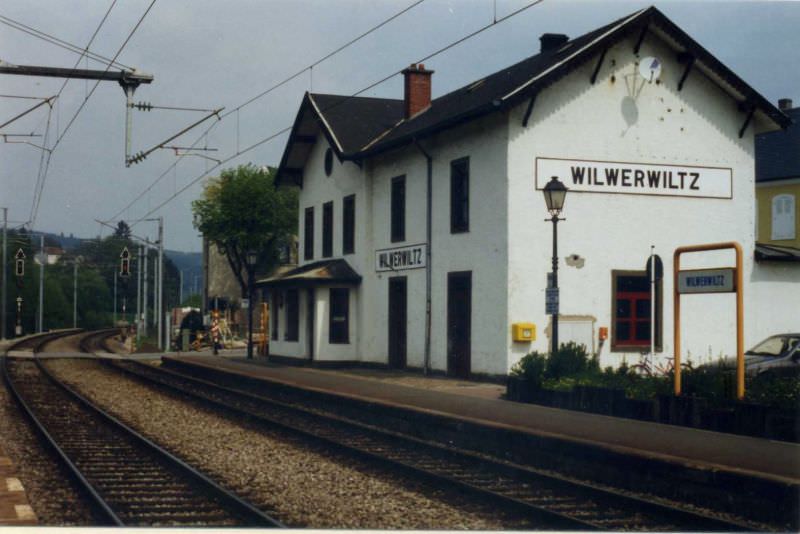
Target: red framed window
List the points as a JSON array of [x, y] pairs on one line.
[[631, 307]]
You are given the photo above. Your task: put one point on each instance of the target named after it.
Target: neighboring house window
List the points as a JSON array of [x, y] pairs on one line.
[[398, 209], [328, 162], [631, 310], [274, 312], [783, 217], [459, 195], [349, 224], [327, 229], [308, 241], [340, 316], [292, 315]]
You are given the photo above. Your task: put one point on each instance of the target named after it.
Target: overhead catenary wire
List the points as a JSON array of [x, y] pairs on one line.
[[45, 165], [278, 133], [265, 93], [83, 104], [59, 42], [27, 97]]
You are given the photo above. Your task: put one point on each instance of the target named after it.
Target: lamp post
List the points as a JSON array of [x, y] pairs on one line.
[[554, 194], [252, 258]]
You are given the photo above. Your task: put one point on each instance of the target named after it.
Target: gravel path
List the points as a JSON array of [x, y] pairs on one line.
[[53, 499], [303, 486]]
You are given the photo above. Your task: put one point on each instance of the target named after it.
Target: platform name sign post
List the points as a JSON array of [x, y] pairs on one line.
[[714, 280]]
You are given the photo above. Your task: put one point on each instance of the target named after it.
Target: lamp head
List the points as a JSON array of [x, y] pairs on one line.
[[554, 194], [252, 258]]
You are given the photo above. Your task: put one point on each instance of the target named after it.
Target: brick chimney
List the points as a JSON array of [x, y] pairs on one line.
[[785, 104], [552, 41], [417, 89]]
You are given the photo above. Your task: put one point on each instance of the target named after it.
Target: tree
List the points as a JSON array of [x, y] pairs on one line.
[[242, 210], [122, 230]]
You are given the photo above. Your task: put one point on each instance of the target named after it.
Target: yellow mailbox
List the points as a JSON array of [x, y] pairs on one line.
[[523, 332]]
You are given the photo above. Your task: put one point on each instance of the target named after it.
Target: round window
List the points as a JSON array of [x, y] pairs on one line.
[[328, 162]]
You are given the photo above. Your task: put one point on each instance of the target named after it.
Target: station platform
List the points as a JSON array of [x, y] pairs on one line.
[[14, 507], [15, 510], [482, 404]]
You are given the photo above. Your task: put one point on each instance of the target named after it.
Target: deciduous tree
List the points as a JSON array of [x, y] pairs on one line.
[[242, 210]]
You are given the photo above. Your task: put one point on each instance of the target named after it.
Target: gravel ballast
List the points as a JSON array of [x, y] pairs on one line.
[[301, 485], [53, 498]]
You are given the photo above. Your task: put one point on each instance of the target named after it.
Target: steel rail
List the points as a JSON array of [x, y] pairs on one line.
[[87, 343], [613, 499], [252, 515], [98, 502], [240, 508]]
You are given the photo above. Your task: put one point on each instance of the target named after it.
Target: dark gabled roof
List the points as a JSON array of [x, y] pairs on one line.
[[323, 272], [348, 123], [343, 119], [778, 153], [357, 121], [770, 252]]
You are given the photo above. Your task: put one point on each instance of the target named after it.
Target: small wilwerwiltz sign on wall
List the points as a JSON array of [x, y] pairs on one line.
[[706, 281], [400, 258], [636, 178]]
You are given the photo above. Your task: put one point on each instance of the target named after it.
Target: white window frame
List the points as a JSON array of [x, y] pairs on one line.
[[783, 222]]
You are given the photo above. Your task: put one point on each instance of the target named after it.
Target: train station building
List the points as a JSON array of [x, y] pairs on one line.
[[424, 236]]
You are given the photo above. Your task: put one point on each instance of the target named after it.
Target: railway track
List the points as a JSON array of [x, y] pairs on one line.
[[553, 501], [131, 480], [96, 341]]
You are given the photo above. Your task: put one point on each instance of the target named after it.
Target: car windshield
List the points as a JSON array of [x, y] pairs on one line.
[[774, 346]]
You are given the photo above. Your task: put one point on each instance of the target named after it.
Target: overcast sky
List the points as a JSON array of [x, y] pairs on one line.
[[209, 54]]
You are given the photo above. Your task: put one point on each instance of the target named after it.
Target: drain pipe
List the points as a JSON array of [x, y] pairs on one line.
[[428, 252]]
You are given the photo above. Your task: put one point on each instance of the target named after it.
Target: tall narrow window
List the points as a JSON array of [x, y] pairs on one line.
[[349, 224], [459, 195], [327, 230], [339, 331], [308, 241], [274, 314], [631, 311], [292, 315], [398, 209], [783, 217]]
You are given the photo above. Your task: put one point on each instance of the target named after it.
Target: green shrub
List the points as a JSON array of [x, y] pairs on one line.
[[570, 359], [531, 367]]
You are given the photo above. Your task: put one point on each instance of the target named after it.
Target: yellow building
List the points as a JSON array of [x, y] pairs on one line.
[[778, 188]]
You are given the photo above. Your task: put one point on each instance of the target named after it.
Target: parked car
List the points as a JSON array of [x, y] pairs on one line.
[[779, 354]]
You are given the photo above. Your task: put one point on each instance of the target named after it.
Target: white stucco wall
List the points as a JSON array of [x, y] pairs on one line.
[[508, 246], [482, 250], [775, 289], [608, 121]]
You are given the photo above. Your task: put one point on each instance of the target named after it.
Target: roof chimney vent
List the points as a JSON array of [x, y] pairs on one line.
[[417, 89], [785, 104], [552, 41]]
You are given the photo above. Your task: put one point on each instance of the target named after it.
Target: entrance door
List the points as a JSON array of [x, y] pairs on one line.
[[459, 323], [310, 305], [398, 307]]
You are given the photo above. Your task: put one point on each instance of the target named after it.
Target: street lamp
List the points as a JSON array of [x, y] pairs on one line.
[[554, 194], [252, 259]]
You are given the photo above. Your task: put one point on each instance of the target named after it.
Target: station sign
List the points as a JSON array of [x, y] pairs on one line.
[[636, 178], [707, 281], [401, 258]]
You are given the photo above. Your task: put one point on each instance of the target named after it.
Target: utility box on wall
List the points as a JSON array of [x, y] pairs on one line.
[[523, 332]]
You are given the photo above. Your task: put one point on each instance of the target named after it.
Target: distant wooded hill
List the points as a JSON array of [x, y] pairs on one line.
[[191, 263]]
